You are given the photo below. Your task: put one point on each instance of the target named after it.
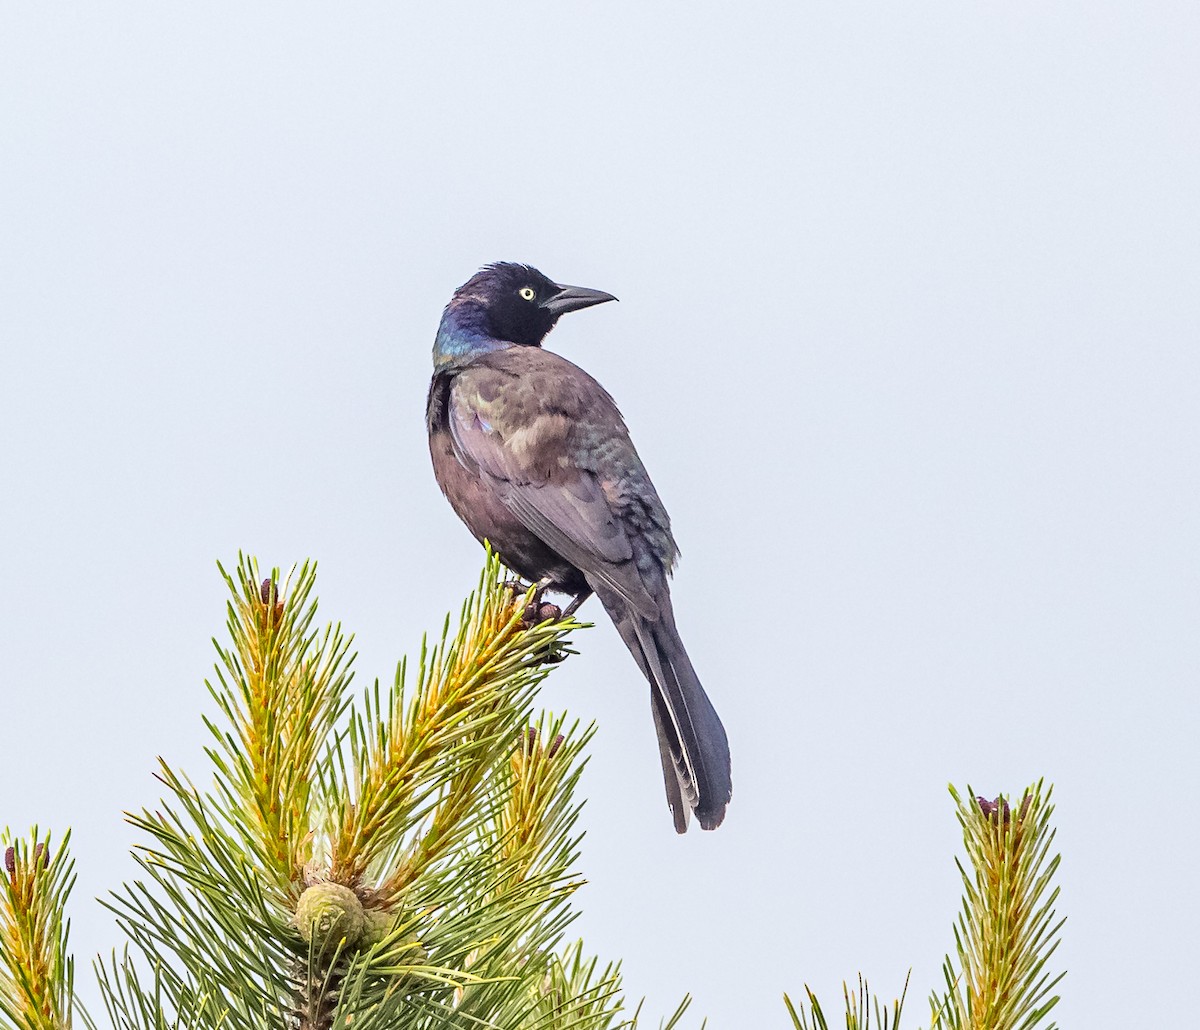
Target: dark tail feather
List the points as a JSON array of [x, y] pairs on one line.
[[691, 739], [670, 755]]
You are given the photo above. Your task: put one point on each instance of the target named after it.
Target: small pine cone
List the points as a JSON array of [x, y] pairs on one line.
[[380, 924], [377, 924], [329, 914]]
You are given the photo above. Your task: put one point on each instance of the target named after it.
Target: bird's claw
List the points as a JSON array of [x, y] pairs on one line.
[[536, 613], [519, 589], [515, 587], [540, 611]]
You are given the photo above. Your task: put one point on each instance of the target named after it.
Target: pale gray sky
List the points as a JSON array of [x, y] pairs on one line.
[[907, 339]]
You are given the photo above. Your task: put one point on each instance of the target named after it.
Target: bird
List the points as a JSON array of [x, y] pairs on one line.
[[535, 458]]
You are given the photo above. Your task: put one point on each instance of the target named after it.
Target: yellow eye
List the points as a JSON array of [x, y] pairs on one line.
[[526, 292]]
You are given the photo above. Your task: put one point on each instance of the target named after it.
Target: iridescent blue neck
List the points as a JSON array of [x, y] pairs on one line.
[[462, 334]]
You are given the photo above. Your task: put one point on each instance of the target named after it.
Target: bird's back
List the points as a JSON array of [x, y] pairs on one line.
[[559, 422]]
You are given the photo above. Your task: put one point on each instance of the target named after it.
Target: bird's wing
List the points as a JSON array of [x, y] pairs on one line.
[[519, 435]]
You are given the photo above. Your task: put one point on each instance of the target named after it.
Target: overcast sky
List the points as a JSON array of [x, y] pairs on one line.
[[907, 340]]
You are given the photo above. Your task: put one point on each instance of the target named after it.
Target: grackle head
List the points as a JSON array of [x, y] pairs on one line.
[[519, 304]]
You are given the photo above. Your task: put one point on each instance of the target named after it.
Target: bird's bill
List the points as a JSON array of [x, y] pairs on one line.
[[572, 298]]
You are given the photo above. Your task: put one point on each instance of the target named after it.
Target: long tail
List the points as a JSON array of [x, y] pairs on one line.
[[691, 740]]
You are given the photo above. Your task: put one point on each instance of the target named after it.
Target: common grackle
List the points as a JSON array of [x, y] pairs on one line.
[[534, 456]]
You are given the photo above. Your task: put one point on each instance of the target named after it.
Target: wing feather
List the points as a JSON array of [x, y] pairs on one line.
[[563, 504]]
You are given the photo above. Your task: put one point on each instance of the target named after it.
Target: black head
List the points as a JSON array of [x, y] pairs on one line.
[[521, 305]]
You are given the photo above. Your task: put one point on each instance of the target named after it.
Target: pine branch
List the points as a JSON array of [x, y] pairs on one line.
[[1005, 935], [411, 869], [282, 686], [406, 861], [1007, 930], [576, 994], [859, 1009], [36, 972], [421, 760]]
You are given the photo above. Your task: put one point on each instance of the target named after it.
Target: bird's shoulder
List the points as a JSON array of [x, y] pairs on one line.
[[535, 381], [537, 399]]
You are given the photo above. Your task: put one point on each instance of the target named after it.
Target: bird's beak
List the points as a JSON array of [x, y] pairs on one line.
[[572, 298]]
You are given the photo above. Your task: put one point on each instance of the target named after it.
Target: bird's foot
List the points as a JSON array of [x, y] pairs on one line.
[[537, 610], [516, 588], [535, 614], [540, 611], [519, 589]]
